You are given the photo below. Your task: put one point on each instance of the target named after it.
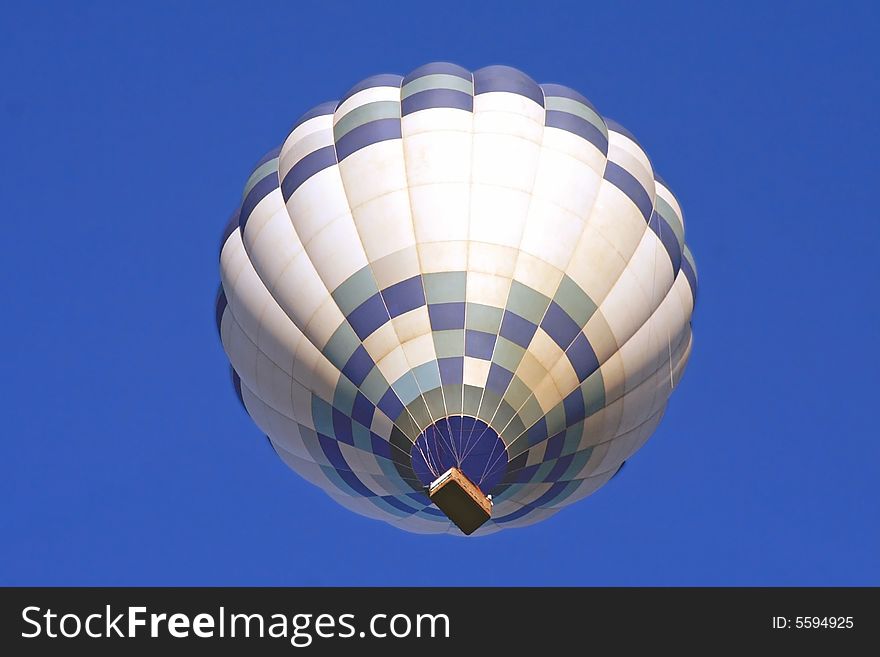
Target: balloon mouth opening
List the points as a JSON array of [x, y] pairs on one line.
[[460, 442]]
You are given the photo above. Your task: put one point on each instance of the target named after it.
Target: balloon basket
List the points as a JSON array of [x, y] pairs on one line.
[[461, 500]]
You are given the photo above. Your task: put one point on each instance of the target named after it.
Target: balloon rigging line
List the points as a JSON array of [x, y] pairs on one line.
[[496, 461], [458, 459], [486, 467], [477, 440], [449, 444]]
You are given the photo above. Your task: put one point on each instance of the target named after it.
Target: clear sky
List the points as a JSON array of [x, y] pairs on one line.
[[128, 134]]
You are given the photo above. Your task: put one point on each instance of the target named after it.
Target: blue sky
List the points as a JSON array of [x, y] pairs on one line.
[[128, 133]]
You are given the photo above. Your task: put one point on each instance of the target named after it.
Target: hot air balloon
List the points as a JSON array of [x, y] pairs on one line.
[[457, 302]]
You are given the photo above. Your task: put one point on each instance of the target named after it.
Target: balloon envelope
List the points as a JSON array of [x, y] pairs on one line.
[[456, 269]]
